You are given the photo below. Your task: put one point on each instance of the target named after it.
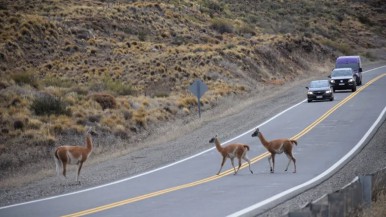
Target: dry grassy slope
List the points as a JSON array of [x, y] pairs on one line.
[[146, 53]]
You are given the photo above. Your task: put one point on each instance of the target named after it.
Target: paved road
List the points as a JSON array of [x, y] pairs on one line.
[[326, 132]]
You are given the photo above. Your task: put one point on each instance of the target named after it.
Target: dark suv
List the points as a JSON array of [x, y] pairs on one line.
[[319, 90], [343, 79]]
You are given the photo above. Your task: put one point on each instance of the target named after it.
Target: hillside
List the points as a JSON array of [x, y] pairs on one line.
[[124, 67]]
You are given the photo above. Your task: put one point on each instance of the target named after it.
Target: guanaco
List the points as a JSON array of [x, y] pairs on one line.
[[75, 155], [231, 151], [277, 146]]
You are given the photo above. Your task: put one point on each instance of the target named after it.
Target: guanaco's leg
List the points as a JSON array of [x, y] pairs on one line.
[[239, 164], [291, 158], [222, 164], [273, 163], [233, 165], [64, 164], [79, 168], [270, 165], [249, 163], [289, 161], [294, 160]]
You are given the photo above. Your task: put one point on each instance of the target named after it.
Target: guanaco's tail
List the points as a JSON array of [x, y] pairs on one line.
[[247, 147], [294, 141]]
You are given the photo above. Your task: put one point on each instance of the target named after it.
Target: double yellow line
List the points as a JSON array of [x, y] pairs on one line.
[[227, 172], [161, 192]]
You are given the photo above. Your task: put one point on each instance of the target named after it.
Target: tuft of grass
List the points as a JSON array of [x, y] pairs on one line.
[[57, 82], [46, 104], [106, 101], [23, 78], [221, 26], [110, 85], [140, 117], [246, 29], [187, 102]]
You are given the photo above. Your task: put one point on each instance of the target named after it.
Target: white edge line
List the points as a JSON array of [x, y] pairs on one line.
[[161, 168], [317, 178]]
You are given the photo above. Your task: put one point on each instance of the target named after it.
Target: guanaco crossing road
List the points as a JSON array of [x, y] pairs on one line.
[[328, 134]]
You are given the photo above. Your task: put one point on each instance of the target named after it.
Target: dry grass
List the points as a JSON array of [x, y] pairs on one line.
[[378, 208]]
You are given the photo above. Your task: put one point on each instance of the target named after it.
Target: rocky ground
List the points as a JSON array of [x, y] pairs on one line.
[[193, 136]]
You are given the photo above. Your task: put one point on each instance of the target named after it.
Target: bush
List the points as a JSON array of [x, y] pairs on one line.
[[119, 87], [246, 29], [365, 20], [106, 101], [25, 78], [115, 87], [221, 26], [214, 6], [47, 105]]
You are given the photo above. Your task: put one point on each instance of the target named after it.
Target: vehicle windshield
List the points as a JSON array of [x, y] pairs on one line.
[[354, 66], [319, 84], [338, 73]]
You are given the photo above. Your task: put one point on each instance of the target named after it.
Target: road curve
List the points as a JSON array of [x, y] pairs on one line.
[[326, 132]]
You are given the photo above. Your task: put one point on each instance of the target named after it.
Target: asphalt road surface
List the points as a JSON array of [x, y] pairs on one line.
[[328, 135]]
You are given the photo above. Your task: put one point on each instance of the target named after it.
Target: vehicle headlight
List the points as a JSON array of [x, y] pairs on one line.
[[310, 93], [351, 80], [328, 91], [332, 81]]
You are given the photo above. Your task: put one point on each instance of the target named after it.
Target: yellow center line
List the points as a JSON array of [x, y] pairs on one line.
[[225, 173], [161, 192]]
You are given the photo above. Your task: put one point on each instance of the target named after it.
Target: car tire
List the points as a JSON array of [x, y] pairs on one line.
[[354, 89], [332, 99], [309, 100], [333, 90]]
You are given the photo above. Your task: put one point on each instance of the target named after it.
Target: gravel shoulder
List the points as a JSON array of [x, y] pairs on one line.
[[192, 138]]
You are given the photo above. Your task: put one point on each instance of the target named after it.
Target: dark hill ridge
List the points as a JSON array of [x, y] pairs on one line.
[[124, 67]]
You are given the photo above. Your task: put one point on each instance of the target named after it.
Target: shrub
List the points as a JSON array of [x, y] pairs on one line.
[[18, 124], [246, 29], [143, 34], [140, 117], [25, 78], [106, 101], [115, 87], [179, 40], [57, 82], [365, 20], [221, 26], [119, 87], [214, 6], [46, 104]]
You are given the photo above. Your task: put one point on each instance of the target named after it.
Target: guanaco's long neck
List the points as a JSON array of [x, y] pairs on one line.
[[263, 140], [89, 142], [218, 145]]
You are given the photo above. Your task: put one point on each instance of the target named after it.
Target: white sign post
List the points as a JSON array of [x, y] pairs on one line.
[[198, 88]]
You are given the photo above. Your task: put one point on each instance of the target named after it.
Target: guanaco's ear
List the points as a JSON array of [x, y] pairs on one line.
[[212, 139], [91, 131]]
